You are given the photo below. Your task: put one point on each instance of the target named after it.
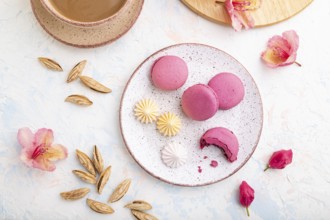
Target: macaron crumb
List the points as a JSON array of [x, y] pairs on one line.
[[214, 163]]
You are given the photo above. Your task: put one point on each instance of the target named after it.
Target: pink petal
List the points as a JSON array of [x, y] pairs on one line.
[[43, 164], [270, 59], [25, 156], [44, 137], [279, 42], [25, 137], [293, 40], [245, 19], [239, 19], [56, 152], [243, 5]]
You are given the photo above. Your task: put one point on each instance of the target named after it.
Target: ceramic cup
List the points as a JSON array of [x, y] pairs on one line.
[[50, 6]]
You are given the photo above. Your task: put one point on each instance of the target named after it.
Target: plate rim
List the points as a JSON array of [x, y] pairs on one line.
[[153, 174]]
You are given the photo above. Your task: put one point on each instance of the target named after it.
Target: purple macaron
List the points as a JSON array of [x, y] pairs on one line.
[[229, 89], [169, 73], [199, 102]]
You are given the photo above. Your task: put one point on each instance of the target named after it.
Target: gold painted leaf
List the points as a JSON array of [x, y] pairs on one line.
[[104, 177], [139, 205], [79, 100], [120, 190], [93, 84], [142, 215], [86, 162], [99, 207], [76, 71], [75, 194], [50, 64], [98, 160], [85, 176]]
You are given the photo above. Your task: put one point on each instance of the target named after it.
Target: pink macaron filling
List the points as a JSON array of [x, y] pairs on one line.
[[229, 89], [169, 73], [199, 102], [223, 139]]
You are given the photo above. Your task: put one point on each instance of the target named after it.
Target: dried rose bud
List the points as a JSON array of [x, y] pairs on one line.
[[246, 196], [279, 159]]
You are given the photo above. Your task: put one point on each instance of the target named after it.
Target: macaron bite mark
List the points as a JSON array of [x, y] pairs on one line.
[[223, 139]]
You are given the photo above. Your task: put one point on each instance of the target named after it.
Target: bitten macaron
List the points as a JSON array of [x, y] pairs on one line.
[[223, 139]]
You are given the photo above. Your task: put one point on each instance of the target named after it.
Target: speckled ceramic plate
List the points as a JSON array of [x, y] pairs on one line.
[[144, 142], [88, 37]]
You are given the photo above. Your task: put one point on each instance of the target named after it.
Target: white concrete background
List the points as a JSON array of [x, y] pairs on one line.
[[296, 115]]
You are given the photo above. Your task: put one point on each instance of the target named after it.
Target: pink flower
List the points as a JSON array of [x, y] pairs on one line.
[[238, 11], [281, 50], [246, 195], [280, 159], [38, 151]]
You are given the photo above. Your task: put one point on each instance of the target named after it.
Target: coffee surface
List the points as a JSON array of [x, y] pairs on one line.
[[87, 10]]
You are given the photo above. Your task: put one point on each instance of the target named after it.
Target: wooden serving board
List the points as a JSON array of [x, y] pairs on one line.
[[270, 12]]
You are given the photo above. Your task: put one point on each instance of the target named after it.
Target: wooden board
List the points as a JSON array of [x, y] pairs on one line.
[[270, 12]]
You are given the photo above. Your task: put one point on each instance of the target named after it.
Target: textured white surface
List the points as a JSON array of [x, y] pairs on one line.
[[296, 106], [145, 142]]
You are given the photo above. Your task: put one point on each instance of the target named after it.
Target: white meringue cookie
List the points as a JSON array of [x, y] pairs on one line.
[[174, 155]]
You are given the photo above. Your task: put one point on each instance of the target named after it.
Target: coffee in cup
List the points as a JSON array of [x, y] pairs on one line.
[[84, 12]]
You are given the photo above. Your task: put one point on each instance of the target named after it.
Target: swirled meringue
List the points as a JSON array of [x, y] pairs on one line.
[[146, 111], [168, 124], [174, 155]]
